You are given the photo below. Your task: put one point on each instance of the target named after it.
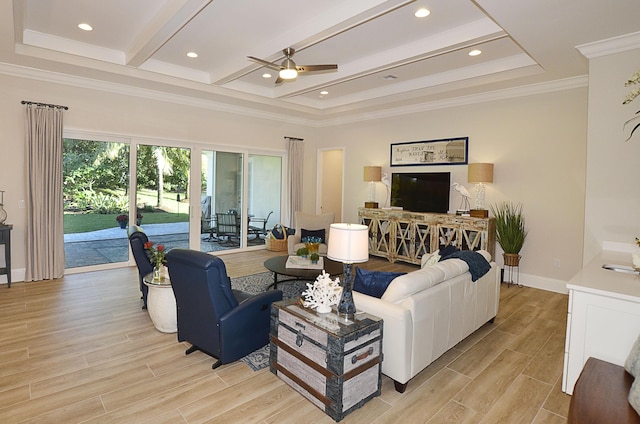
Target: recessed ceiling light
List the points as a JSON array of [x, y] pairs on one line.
[[324, 92], [422, 13], [266, 75], [475, 52], [85, 27], [192, 55]]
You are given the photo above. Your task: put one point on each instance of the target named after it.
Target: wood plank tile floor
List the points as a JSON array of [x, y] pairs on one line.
[[80, 350]]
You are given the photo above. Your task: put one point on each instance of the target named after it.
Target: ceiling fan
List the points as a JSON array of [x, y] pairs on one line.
[[288, 69]]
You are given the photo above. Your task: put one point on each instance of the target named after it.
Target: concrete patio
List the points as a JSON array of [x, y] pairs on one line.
[[112, 245]]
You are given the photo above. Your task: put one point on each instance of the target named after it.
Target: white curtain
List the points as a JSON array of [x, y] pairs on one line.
[[44, 203], [295, 156]]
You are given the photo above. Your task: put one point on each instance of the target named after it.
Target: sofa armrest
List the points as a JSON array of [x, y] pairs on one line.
[[291, 242], [397, 335]]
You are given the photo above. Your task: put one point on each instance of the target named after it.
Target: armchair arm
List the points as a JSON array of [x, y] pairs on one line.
[[291, 242], [251, 319], [397, 339]]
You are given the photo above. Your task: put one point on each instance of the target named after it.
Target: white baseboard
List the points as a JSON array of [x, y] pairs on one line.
[[17, 275], [543, 283]]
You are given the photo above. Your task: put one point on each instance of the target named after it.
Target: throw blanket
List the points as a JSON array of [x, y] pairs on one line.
[[478, 265]]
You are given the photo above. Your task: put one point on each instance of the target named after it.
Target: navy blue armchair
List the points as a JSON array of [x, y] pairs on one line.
[[224, 323], [137, 239]]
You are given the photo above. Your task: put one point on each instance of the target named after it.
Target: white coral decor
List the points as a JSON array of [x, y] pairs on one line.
[[323, 293]]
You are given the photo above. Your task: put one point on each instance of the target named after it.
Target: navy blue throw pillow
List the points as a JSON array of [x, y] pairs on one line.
[[313, 233], [373, 283]]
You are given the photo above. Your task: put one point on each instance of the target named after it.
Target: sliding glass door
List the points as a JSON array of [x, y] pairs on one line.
[[96, 203], [225, 221], [162, 187], [237, 197]]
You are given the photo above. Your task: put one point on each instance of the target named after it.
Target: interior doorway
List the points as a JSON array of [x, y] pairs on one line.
[[330, 181]]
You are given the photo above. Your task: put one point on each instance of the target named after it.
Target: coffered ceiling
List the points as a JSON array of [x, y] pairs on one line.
[[387, 58]]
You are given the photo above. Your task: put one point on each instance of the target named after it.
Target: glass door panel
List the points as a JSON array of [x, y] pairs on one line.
[[96, 206], [162, 194], [222, 222], [264, 196]]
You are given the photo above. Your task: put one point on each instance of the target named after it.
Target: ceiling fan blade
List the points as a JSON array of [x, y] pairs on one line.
[[279, 80], [313, 68], [265, 63]]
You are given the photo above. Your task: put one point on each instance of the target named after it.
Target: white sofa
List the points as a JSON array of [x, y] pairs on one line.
[[428, 311]]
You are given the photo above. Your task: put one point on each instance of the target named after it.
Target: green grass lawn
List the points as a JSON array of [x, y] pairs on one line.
[[82, 223]]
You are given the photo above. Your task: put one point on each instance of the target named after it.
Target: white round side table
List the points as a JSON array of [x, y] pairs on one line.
[[161, 304]]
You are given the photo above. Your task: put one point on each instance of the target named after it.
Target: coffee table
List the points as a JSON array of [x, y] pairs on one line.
[[277, 266]]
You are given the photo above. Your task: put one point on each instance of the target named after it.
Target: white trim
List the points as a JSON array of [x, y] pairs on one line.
[[317, 121], [609, 46], [543, 283]]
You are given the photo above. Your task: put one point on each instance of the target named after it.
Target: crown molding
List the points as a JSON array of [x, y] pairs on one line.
[[317, 122], [128, 90], [609, 46], [509, 93]]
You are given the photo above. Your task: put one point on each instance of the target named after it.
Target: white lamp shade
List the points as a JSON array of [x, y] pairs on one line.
[[348, 243]]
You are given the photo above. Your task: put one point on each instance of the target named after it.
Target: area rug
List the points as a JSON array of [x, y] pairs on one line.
[[258, 283]]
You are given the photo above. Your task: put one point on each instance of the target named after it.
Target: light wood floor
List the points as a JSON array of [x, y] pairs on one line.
[[80, 350]]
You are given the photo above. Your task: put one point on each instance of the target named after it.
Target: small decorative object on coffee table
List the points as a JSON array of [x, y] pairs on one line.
[[333, 362], [309, 272]]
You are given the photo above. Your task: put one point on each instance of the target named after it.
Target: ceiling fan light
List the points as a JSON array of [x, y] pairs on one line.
[[288, 70], [288, 73]]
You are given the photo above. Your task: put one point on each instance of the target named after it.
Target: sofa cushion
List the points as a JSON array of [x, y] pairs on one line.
[[373, 283], [406, 285]]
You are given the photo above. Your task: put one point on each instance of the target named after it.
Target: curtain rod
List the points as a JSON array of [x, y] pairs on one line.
[[294, 138], [25, 102]]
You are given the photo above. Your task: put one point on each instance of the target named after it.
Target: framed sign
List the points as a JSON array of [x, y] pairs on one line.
[[449, 151]]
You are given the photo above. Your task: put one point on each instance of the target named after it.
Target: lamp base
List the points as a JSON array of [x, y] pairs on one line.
[[371, 205], [479, 213], [346, 306]]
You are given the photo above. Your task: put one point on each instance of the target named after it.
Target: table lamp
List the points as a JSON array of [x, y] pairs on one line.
[[480, 173], [349, 244], [372, 174]]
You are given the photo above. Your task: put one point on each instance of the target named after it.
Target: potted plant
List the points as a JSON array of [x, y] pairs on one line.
[[314, 258], [510, 230], [122, 219], [139, 217], [303, 252]]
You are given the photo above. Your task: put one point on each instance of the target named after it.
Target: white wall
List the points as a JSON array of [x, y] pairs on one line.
[[538, 146], [613, 165]]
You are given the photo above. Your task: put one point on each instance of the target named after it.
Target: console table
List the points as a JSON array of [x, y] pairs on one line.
[[400, 235], [5, 239]]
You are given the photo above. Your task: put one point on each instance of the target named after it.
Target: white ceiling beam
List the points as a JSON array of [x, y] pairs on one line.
[[173, 17], [305, 34]]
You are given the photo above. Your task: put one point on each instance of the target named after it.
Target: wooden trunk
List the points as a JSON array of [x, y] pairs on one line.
[[333, 362]]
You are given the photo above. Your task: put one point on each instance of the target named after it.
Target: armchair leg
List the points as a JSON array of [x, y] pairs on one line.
[[216, 364], [191, 350]]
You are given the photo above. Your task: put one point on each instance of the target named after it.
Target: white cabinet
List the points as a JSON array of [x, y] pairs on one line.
[[603, 319]]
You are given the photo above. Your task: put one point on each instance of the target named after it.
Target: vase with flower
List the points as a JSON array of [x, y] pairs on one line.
[[157, 258], [312, 244]]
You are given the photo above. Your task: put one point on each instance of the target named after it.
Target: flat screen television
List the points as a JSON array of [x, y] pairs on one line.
[[421, 192]]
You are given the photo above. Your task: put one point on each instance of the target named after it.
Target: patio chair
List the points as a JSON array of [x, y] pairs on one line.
[[228, 225], [259, 230], [224, 323], [207, 222]]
